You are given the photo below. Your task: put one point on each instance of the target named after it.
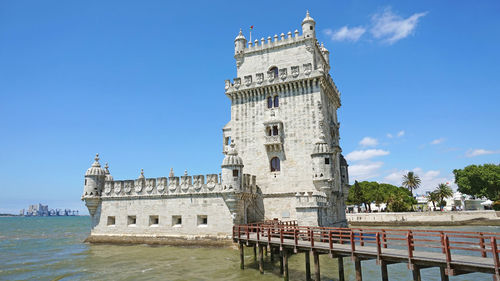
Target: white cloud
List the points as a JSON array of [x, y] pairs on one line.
[[401, 133], [391, 27], [345, 33], [478, 152], [430, 179], [357, 155], [364, 171], [367, 141], [390, 136], [438, 141]]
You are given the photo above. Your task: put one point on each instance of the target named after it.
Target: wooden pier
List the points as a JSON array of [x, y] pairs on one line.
[[454, 252]]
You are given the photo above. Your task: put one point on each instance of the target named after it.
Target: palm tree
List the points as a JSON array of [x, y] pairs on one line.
[[411, 181], [443, 191], [433, 198]]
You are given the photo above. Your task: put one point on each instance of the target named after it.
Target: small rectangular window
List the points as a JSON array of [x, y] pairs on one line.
[[131, 220], [111, 221], [235, 173], [275, 130], [154, 220], [202, 220], [327, 161], [176, 221]]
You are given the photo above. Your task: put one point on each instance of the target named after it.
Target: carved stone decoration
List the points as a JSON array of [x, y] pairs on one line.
[[307, 68], [283, 73], [248, 80], [212, 181], [128, 186], [186, 182], [270, 76], [161, 184], [309, 46], [150, 185], [198, 182], [260, 78], [138, 185], [237, 82], [228, 84], [173, 183], [295, 71], [107, 187], [117, 187], [239, 61]]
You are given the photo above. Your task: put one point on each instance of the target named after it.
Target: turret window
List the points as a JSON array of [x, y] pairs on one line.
[[275, 164], [276, 101], [275, 130], [327, 161], [269, 102], [273, 102], [235, 173]]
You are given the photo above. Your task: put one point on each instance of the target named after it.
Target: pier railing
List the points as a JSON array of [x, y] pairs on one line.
[[378, 242]]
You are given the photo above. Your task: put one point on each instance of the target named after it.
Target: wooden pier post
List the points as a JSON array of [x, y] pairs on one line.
[[265, 251], [341, 268], [383, 269], [254, 252], [444, 277], [261, 260], [416, 273], [242, 256], [285, 265], [272, 253], [308, 266], [357, 267], [281, 262], [317, 274]]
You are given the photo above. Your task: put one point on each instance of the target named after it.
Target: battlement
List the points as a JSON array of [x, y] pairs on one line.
[[285, 75], [274, 42], [173, 185]]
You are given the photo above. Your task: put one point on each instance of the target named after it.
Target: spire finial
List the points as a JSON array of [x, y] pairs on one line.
[[185, 172], [142, 174], [106, 166], [96, 157], [171, 174]]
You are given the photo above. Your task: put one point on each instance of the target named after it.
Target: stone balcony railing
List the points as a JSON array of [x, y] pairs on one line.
[[274, 143]]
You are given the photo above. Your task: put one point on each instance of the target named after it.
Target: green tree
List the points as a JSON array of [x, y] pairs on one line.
[[411, 181], [355, 195], [433, 198], [443, 191], [479, 180]]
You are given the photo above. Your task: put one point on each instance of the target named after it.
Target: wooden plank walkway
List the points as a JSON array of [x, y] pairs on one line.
[[453, 252]]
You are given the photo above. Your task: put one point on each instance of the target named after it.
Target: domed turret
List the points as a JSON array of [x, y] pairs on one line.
[[232, 169], [308, 27], [239, 43], [322, 164], [94, 179], [94, 184], [141, 176]]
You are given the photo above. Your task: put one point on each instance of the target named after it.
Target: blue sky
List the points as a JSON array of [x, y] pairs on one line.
[[142, 83]]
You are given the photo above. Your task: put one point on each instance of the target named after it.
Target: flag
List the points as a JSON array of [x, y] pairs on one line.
[[251, 27]]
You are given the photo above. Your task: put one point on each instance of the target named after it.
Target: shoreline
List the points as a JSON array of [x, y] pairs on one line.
[[200, 241]]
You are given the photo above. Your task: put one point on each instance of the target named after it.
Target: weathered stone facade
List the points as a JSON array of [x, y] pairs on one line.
[[283, 133]]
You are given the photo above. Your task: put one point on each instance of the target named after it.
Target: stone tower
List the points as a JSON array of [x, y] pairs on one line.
[[284, 118]]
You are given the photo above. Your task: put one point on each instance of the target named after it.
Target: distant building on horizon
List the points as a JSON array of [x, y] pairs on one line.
[[39, 210]]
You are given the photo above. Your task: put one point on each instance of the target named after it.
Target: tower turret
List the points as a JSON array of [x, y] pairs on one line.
[[308, 27], [326, 53], [322, 163], [94, 184], [239, 43], [232, 169]]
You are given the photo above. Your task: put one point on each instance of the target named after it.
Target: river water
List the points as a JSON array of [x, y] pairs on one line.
[[51, 248]]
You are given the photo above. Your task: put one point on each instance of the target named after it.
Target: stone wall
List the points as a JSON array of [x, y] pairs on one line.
[[426, 218]]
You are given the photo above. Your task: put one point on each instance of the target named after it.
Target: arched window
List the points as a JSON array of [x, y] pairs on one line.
[[276, 101], [269, 131], [275, 130], [275, 164], [269, 102], [275, 70]]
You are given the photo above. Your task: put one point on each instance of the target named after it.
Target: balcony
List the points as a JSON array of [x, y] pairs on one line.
[[274, 143]]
